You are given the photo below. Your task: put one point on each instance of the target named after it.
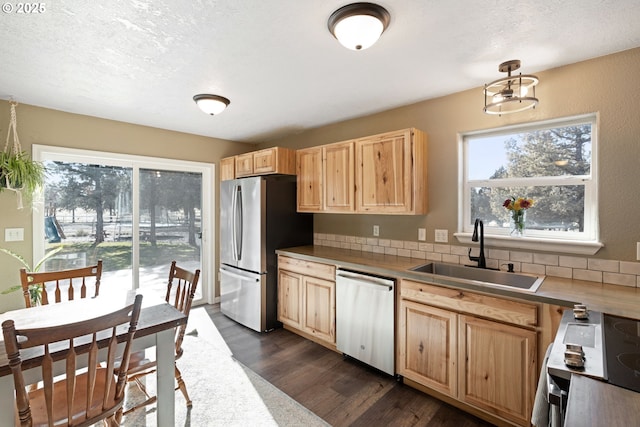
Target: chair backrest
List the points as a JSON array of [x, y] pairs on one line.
[[181, 289], [68, 282], [73, 398]]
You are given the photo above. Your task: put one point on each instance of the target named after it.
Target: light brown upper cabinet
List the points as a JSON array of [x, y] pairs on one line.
[[275, 160], [391, 173], [380, 174], [326, 178]]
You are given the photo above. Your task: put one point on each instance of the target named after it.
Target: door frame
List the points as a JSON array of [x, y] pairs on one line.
[[136, 162]]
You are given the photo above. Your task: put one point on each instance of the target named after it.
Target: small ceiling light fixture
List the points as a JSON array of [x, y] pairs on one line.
[[512, 93], [358, 26], [211, 104]]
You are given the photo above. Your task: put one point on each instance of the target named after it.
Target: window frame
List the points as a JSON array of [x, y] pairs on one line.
[[586, 242]]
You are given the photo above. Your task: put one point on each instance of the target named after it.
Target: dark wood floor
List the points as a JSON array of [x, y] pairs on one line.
[[341, 391]]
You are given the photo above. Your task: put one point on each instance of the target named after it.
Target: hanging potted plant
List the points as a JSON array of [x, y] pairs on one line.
[[18, 172]]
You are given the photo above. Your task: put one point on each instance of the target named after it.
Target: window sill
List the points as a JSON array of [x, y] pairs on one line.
[[578, 247]]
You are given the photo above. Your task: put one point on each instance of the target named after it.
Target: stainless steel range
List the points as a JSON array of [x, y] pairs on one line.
[[601, 346]]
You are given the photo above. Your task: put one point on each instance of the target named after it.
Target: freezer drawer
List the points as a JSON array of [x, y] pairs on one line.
[[365, 319], [242, 297]]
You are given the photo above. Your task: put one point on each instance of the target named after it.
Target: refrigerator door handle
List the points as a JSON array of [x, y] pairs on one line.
[[234, 221], [236, 275], [239, 217]]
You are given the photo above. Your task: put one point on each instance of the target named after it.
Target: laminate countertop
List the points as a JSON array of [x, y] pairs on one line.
[[613, 299]]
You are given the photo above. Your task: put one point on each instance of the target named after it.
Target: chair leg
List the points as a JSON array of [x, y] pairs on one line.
[[182, 386]]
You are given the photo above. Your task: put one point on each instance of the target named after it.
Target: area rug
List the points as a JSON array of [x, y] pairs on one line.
[[223, 391]]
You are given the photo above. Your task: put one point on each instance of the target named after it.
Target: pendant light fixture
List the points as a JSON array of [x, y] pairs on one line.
[[512, 93], [358, 26], [211, 104]]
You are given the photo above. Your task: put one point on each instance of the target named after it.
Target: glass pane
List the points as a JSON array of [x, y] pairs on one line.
[[555, 208], [88, 215], [170, 225], [539, 153]]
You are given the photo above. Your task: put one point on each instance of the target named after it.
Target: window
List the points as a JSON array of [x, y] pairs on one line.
[[135, 213], [553, 163]]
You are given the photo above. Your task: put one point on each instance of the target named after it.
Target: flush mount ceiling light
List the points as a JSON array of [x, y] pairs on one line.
[[512, 93], [211, 104], [358, 26]]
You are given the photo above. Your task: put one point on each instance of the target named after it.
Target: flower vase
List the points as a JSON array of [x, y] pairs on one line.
[[518, 223]]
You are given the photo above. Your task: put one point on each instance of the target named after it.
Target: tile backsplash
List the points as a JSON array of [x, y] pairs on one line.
[[623, 273]]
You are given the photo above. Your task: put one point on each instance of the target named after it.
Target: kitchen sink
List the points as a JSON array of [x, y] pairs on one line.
[[490, 277]]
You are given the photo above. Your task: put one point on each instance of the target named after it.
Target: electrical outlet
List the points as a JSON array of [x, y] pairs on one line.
[[376, 230], [13, 234], [442, 236], [422, 234]]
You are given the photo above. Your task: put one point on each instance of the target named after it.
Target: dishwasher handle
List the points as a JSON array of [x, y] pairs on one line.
[[368, 281]]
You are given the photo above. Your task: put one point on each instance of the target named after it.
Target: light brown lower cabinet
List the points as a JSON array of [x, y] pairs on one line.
[[483, 363], [307, 298]]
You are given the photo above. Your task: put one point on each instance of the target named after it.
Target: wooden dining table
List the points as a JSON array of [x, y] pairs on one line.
[[155, 329]]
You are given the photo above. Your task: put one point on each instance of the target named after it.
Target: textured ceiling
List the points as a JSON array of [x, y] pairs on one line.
[[141, 61]]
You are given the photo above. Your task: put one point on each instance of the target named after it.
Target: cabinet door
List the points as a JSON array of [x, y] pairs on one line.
[[384, 173], [290, 298], [319, 312], [497, 368], [338, 174], [264, 161], [227, 168], [427, 346], [309, 178], [244, 165]]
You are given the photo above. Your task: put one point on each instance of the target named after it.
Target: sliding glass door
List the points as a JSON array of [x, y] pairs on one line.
[[135, 213]]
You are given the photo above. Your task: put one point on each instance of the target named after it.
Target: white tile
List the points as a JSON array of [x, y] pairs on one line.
[[345, 245], [330, 237], [384, 242], [350, 239], [367, 248], [627, 267], [397, 244], [492, 263], [373, 241], [498, 254], [355, 247], [404, 252], [443, 249], [390, 251], [604, 265], [589, 275], [573, 262], [419, 254], [533, 268], [413, 246], [545, 259], [453, 259], [459, 250], [426, 247], [341, 238], [433, 256], [320, 236], [565, 272], [620, 279], [521, 256], [378, 249]]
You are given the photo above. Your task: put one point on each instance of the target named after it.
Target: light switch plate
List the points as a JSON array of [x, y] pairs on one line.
[[442, 236], [422, 234], [376, 230], [13, 234]]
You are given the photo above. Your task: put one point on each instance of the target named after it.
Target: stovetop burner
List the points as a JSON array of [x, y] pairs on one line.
[[622, 349]]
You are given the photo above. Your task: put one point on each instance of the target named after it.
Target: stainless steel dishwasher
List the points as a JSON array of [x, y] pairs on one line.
[[365, 319]]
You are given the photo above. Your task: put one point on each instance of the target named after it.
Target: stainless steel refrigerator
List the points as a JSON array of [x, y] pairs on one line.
[[257, 216]]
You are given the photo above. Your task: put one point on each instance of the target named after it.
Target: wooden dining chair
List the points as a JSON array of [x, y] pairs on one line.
[[181, 289], [77, 397], [69, 283]]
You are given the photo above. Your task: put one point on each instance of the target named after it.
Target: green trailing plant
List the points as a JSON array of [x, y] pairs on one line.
[[18, 172], [35, 292]]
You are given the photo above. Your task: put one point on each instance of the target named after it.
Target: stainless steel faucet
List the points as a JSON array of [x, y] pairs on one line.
[[482, 262]]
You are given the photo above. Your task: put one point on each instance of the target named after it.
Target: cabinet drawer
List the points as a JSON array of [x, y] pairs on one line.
[[504, 310], [308, 268]]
